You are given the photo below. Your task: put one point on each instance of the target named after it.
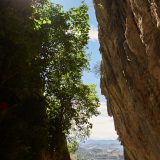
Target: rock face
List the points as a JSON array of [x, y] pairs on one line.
[[129, 34]]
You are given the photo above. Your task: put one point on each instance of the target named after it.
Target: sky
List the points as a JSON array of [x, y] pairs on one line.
[[103, 126]]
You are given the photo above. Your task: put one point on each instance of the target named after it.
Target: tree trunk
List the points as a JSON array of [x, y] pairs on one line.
[[61, 149]]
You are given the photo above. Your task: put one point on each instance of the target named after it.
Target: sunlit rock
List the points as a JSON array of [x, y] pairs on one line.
[[129, 35]]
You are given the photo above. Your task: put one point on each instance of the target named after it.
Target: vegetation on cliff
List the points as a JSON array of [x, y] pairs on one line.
[[42, 97]]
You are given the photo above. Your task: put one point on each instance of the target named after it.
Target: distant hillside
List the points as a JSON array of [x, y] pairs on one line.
[[100, 150], [102, 142]]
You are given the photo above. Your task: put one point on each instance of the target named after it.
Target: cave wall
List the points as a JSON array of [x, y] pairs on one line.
[[129, 35]]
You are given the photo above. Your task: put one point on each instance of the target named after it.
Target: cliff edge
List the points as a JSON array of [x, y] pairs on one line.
[[129, 34]]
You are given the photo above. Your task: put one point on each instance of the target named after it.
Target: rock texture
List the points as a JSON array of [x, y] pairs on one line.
[[129, 34]]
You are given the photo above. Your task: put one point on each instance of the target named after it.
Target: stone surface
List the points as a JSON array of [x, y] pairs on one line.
[[129, 34]]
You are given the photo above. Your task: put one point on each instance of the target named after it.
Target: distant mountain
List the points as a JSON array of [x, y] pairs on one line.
[[100, 150], [102, 142]]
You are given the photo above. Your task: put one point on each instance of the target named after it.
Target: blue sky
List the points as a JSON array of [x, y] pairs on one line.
[[103, 127]]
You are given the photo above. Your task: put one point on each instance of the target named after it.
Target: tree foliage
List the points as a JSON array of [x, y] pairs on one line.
[[42, 59], [70, 101]]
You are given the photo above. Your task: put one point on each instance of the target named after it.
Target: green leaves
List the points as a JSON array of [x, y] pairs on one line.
[[41, 14], [79, 23], [42, 61], [72, 145], [63, 60]]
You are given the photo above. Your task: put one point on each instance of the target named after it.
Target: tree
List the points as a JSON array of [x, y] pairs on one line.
[[70, 102], [97, 69], [42, 97]]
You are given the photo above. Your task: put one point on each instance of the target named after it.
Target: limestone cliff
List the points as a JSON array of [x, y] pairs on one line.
[[129, 34]]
